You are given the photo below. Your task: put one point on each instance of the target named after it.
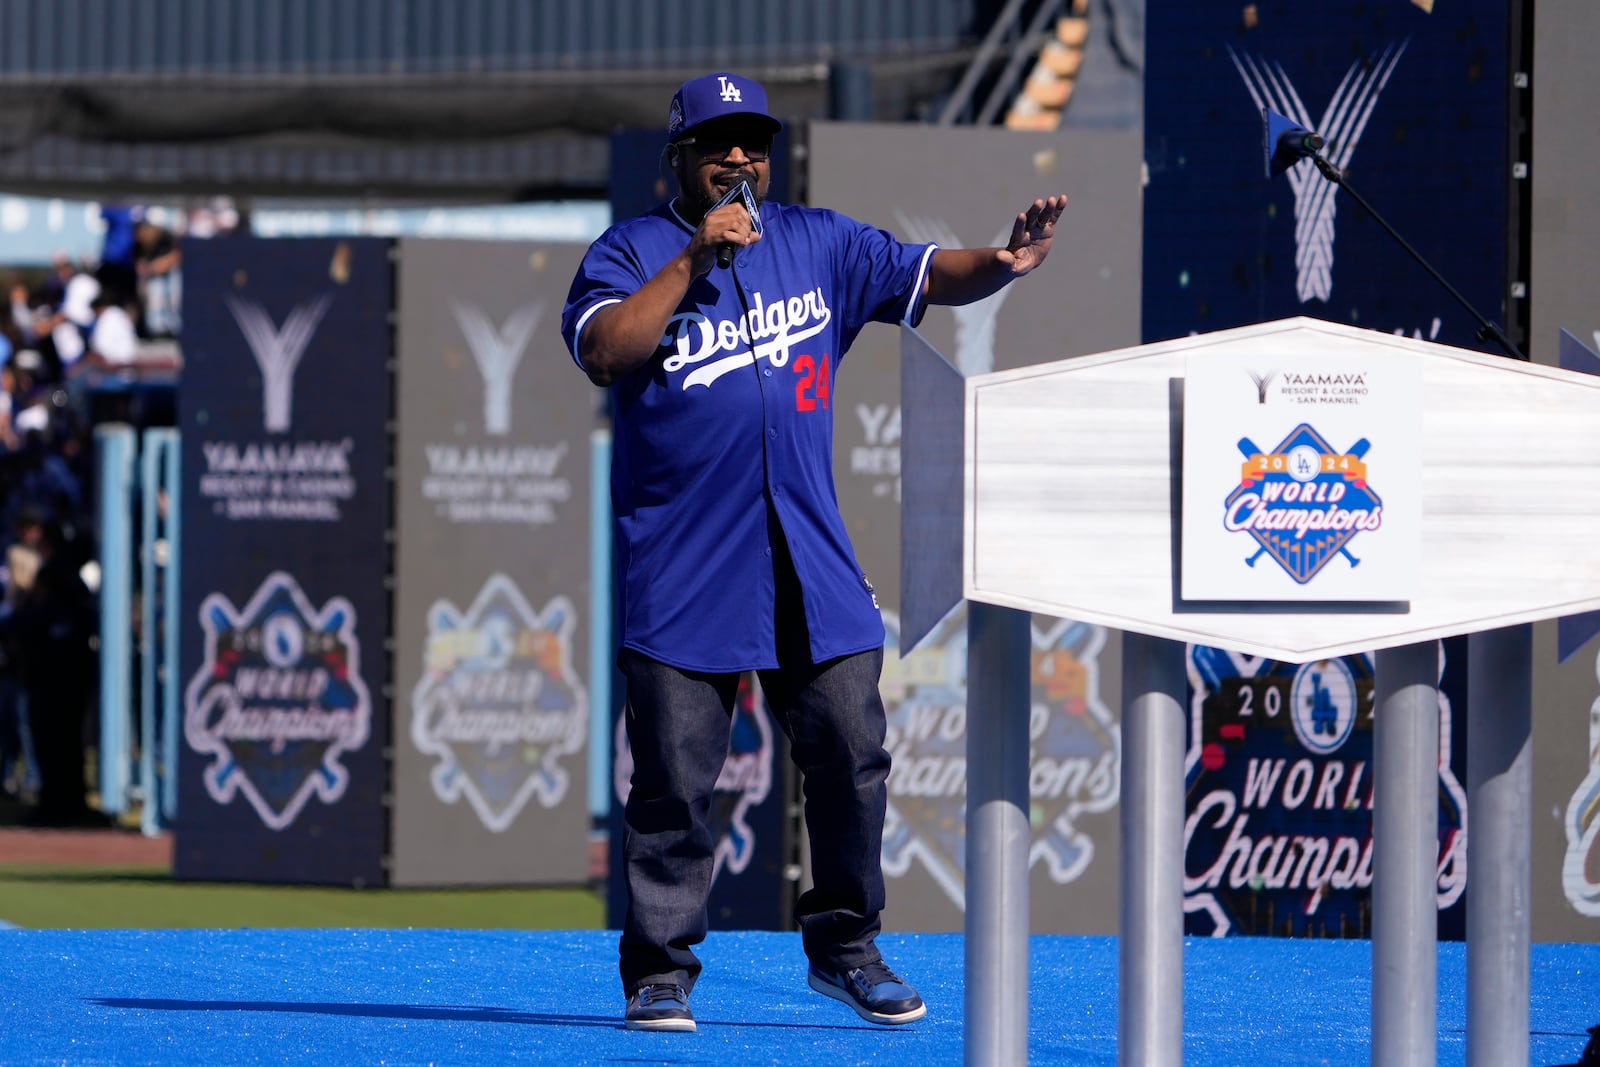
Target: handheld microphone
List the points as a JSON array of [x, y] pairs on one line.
[[744, 193]]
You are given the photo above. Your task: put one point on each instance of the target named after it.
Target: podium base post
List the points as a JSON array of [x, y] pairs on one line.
[[999, 661], [1150, 948], [1405, 848], [1499, 858]]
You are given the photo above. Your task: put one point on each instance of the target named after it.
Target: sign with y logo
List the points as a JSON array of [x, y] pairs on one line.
[[278, 350], [493, 768], [285, 406], [1410, 99], [1342, 123], [497, 352]]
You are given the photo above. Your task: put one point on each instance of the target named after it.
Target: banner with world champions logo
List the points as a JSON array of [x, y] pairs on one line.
[[1278, 834], [285, 515], [492, 598]]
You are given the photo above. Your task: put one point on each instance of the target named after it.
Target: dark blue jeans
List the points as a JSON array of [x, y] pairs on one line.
[[678, 723]]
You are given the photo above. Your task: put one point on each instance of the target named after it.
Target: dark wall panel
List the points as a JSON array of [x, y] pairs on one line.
[[284, 410]]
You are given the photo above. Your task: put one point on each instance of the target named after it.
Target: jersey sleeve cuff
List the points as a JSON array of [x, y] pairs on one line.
[[916, 306], [577, 330]]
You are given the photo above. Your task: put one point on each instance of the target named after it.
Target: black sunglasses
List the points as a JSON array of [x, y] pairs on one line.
[[718, 147]]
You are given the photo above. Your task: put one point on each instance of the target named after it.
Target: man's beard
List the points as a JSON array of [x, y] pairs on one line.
[[703, 199]]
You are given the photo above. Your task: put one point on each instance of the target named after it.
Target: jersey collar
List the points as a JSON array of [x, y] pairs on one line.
[[672, 209]]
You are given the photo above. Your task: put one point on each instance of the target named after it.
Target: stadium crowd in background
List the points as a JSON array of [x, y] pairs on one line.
[[44, 539], [60, 333]]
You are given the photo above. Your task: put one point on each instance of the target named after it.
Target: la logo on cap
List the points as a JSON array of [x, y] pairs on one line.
[[730, 91]]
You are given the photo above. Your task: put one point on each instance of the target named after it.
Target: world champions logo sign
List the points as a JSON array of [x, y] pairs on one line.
[[1278, 836], [1303, 502], [278, 699], [499, 705], [1074, 764]]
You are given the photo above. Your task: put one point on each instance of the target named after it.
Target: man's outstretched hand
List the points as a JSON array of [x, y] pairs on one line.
[[1032, 233]]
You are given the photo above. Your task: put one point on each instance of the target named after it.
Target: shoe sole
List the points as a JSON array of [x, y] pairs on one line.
[[878, 1017], [682, 1026]]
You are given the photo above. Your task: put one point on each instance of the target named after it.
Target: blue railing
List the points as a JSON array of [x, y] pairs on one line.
[[138, 476]]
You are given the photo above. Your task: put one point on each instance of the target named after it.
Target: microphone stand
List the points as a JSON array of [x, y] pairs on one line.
[[1487, 330]]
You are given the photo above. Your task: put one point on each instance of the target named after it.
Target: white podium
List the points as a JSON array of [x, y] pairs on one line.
[[1065, 498]]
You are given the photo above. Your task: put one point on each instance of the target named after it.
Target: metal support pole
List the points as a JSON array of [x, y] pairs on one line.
[[1500, 807], [115, 448], [1150, 948], [602, 645], [1405, 848], [999, 656], [158, 615], [149, 641], [171, 593]]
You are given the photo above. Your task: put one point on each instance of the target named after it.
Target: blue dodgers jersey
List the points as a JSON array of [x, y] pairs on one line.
[[738, 402]]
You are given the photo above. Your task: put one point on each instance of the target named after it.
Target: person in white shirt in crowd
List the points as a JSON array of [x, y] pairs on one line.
[[8, 388], [30, 404], [62, 311], [113, 337]]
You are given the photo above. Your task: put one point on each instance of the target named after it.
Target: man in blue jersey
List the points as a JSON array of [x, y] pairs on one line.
[[731, 553]]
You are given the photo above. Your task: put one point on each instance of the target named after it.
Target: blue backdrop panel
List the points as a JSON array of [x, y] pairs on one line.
[[1414, 106], [285, 401]]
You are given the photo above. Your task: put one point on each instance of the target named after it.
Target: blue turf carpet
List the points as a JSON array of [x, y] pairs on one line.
[[466, 997]]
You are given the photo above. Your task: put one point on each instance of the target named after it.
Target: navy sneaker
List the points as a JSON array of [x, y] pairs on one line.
[[661, 1006], [876, 993]]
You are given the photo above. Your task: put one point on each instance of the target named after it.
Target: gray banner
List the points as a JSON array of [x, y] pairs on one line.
[[968, 186], [491, 602], [1565, 172], [1565, 902]]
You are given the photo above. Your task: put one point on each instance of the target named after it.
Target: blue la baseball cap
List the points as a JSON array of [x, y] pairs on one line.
[[716, 96]]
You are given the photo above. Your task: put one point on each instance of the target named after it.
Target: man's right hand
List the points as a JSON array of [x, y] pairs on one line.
[[729, 224], [622, 337]]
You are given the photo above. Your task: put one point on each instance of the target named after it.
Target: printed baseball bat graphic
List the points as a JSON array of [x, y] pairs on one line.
[[1249, 448], [1357, 450]]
